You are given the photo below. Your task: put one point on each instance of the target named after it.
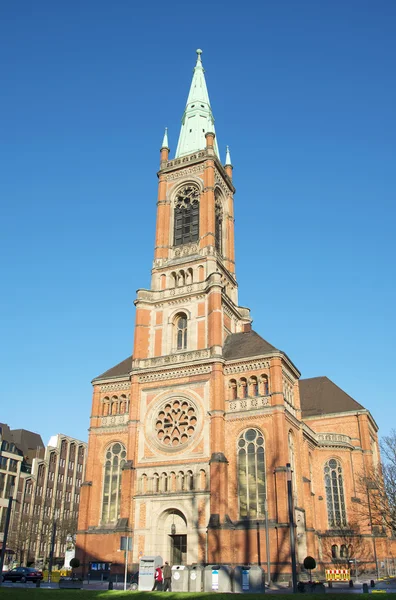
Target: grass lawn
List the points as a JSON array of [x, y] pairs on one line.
[[43, 594]]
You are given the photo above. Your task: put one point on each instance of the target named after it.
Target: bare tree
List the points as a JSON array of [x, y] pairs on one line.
[[377, 490]]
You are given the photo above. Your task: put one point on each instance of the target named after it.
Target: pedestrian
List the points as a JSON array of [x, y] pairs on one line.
[[158, 579], [167, 577]]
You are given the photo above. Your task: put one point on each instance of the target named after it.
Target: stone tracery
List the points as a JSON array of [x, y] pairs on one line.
[[175, 422]]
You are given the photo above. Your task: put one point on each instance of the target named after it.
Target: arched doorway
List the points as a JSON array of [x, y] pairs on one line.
[[174, 529]]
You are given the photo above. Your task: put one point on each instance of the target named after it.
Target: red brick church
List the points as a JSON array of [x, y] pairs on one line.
[[190, 436]]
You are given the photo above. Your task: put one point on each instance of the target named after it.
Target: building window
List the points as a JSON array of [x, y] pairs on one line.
[[114, 461], [219, 226], [254, 389], [264, 385], [334, 487], [233, 389], [251, 474], [181, 332], [334, 551], [244, 388], [186, 216]]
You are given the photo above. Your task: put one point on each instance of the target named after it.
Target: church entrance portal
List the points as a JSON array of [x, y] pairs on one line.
[[178, 549]]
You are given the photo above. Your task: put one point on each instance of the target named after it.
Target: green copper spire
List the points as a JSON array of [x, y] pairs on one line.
[[165, 140], [197, 118]]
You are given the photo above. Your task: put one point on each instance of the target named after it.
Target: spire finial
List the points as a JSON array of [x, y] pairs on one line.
[[165, 140], [199, 60], [228, 162]]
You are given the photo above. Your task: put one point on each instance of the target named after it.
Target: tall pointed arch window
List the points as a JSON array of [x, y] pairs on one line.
[[114, 462], [186, 223], [218, 224], [181, 331], [251, 474], [334, 486]]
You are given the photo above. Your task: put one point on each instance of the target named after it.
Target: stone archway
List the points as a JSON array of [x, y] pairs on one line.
[[172, 536]]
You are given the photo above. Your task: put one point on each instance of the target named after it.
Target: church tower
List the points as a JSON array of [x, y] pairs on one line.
[[168, 420]]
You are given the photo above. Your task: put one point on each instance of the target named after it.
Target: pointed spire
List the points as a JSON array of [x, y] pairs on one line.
[[228, 162], [198, 117], [165, 140]]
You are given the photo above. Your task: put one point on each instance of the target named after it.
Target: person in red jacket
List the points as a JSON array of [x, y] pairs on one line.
[[158, 579]]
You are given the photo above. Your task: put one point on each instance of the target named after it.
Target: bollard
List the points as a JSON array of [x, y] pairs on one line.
[[372, 583], [365, 588], [37, 582], [110, 585], [330, 584], [350, 583]]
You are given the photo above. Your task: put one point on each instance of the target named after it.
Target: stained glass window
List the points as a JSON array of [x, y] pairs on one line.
[[334, 486], [251, 474], [114, 461]]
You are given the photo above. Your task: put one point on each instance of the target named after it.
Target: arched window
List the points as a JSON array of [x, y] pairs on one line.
[[334, 551], [180, 481], [254, 390], [186, 216], [181, 332], [243, 386], [190, 481], [344, 551], [264, 385], [233, 389], [114, 461], [219, 225], [164, 482], [202, 479], [251, 474], [155, 483], [334, 486]]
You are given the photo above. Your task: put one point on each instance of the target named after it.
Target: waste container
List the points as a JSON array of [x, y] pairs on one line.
[[179, 578], [217, 578], [249, 579], [147, 566], [195, 579]]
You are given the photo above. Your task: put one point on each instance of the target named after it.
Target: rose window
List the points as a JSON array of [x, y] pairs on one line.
[[176, 423]]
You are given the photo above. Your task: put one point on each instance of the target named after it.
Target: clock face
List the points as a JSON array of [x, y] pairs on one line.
[[175, 422]]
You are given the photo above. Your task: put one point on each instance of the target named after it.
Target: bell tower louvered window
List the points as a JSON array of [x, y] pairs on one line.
[[186, 225]]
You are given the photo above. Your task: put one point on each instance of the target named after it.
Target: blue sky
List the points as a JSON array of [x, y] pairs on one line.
[[303, 92]]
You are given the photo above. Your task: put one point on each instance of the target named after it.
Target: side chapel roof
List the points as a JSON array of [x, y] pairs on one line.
[[320, 396]]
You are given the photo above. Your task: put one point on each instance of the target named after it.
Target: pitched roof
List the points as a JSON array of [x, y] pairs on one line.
[[321, 396], [242, 345], [122, 369]]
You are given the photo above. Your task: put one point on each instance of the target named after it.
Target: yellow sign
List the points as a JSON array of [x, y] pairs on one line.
[[338, 575]]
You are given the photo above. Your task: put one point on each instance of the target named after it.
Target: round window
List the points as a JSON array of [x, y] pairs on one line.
[[175, 422]]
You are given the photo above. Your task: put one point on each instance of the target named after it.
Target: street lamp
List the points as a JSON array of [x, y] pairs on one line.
[[371, 485], [291, 526]]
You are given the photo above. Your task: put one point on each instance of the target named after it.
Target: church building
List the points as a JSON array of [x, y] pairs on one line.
[[190, 437]]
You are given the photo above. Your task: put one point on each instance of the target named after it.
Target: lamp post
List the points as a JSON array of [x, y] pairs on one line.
[[371, 485], [267, 543], [291, 526], [52, 550], [5, 535]]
